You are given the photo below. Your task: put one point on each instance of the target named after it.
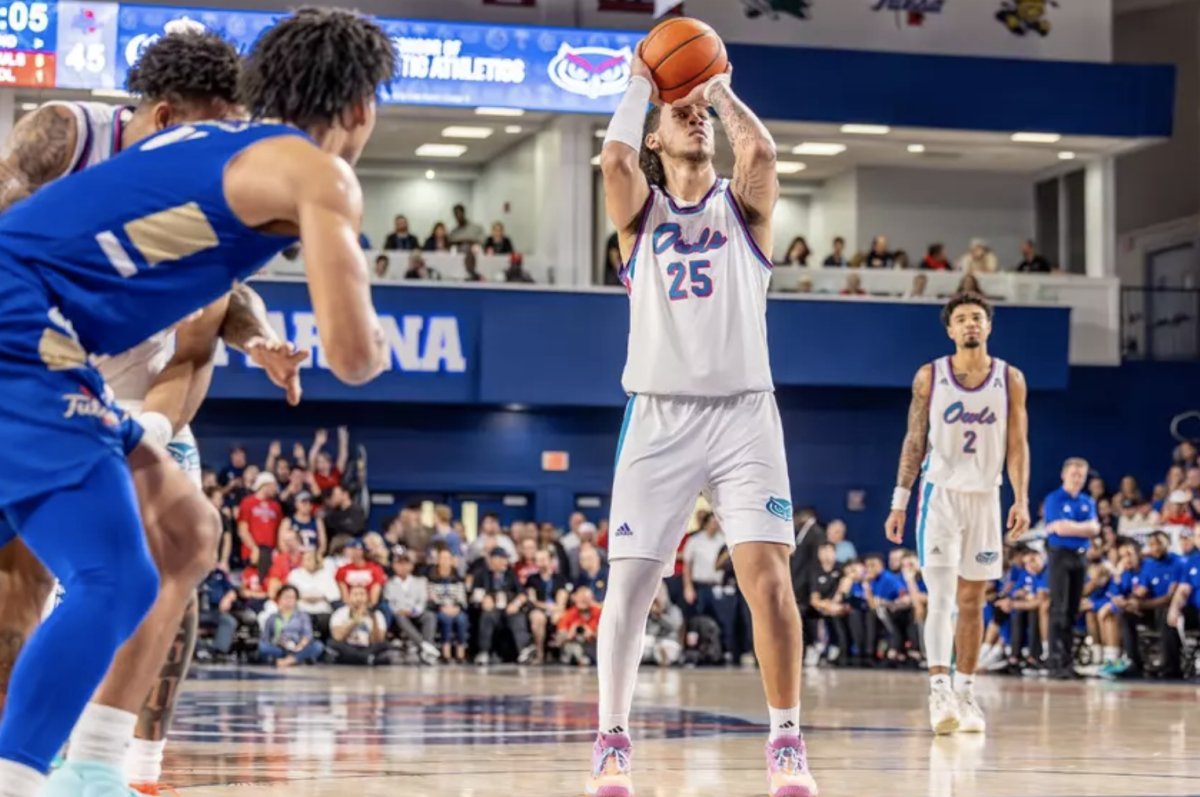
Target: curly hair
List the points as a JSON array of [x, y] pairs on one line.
[[187, 66], [962, 299], [310, 68], [648, 159]]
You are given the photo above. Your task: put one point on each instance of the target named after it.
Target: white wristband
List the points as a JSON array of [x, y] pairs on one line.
[[629, 120], [900, 498], [722, 79], [156, 428]]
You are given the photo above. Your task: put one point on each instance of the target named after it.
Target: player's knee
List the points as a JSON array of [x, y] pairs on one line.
[[970, 601], [772, 595]]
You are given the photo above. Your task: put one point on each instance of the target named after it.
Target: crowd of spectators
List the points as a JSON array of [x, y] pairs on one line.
[[302, 579], [466, 238], [978, 259]]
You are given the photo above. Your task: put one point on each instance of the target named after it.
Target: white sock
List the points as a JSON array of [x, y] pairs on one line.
[[964, 683], [102, 735], [937, 682], [632, 585], [143, 762], [784, 721], [1111, 653], [18, 780], [1097, 653]]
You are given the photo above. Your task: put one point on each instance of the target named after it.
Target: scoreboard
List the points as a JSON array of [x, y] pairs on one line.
[[72, 44]]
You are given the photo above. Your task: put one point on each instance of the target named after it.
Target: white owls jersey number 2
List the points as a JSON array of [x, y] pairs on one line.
[[97, 138], [968, 430], [697, 286]]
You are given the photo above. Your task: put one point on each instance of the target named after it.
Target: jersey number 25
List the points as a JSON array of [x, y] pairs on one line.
[[699, 283]]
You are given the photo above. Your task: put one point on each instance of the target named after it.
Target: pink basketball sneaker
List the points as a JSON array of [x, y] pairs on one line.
[[787, 769], [612, 766]]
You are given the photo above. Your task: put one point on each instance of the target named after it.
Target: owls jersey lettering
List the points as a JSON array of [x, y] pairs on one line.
[[162, 244], [697, 285], [968, 430]]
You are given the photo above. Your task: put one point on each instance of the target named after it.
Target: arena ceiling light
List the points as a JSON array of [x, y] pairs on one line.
[[1066, 156], [29, 106], [489, 111], [789, 167], [916, 149], [818, 148], [112, 94], [441, 150], [512, 129], [596, 160], [600, 132], [466, 131], [1036, 138], [867, 130]]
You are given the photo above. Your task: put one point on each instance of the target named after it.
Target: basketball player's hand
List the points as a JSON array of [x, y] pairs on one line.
[[281, 360], [638, 68], [1018, 522], [696, 95], [894, 526]]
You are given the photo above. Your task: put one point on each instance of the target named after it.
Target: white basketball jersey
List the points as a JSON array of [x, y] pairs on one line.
[[697, 286], [98, 138], [968, 430]]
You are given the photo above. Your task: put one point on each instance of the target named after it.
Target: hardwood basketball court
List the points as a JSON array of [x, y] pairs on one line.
[[465, 732]]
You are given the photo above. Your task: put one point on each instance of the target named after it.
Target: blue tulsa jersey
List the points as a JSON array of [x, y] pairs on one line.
[[95, 263], [135, 244]]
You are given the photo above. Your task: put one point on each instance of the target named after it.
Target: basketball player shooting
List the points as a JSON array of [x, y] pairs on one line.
[[966, 419], [187, 75], [79, 279], [702, 414]]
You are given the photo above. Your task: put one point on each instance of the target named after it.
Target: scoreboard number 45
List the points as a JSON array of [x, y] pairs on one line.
[[87, 57]]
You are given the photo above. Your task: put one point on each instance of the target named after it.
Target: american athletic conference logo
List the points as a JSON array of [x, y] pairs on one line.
[[591, 71]]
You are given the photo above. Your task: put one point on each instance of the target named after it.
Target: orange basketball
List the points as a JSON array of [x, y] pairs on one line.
[[682, 53]]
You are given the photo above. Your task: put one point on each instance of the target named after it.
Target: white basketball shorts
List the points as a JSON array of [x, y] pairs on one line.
[[672, 449], [960, 530]]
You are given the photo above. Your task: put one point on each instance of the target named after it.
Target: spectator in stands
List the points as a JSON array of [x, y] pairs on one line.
[[1129, 499], [570, 541], [252, 593], [217, 596], [381, 266], [326, 474], [438, 240], [471, 266], [1183, 616], [448, 598], [797, 253], [547, 594], [308, 527], [593, 573], [1177, 510], [516, 270], [288, 636], [935, 258], [805, 285], [703, 579], [577, 629], [1028, 605], [1186, 455], [289, 557], [878, 256], [401, 238], [418, 269], [917, 291], [526, 561], [225, 547], [612, 261], [497, 243], [853, 286], [317, 589], [501, 603], [407, 596], [835, 533], [978, 259], [445, 534], [837, 258], [664, 628], [259, 517], [900, 259], [344, 516], [236, 466], [969, 284], [1031, 261], [377, 550], [358, 633], [825, 605], [548, 540], [465, 232], [360, 572]]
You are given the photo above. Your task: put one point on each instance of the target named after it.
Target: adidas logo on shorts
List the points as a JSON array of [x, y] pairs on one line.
[[624, 531]]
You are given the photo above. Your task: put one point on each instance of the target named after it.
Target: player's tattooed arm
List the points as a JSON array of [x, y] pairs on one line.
[[1018, 437], [755, 183], [38, 150], [912, 453]]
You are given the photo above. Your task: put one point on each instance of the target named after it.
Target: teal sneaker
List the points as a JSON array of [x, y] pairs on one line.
[[87, 779]]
